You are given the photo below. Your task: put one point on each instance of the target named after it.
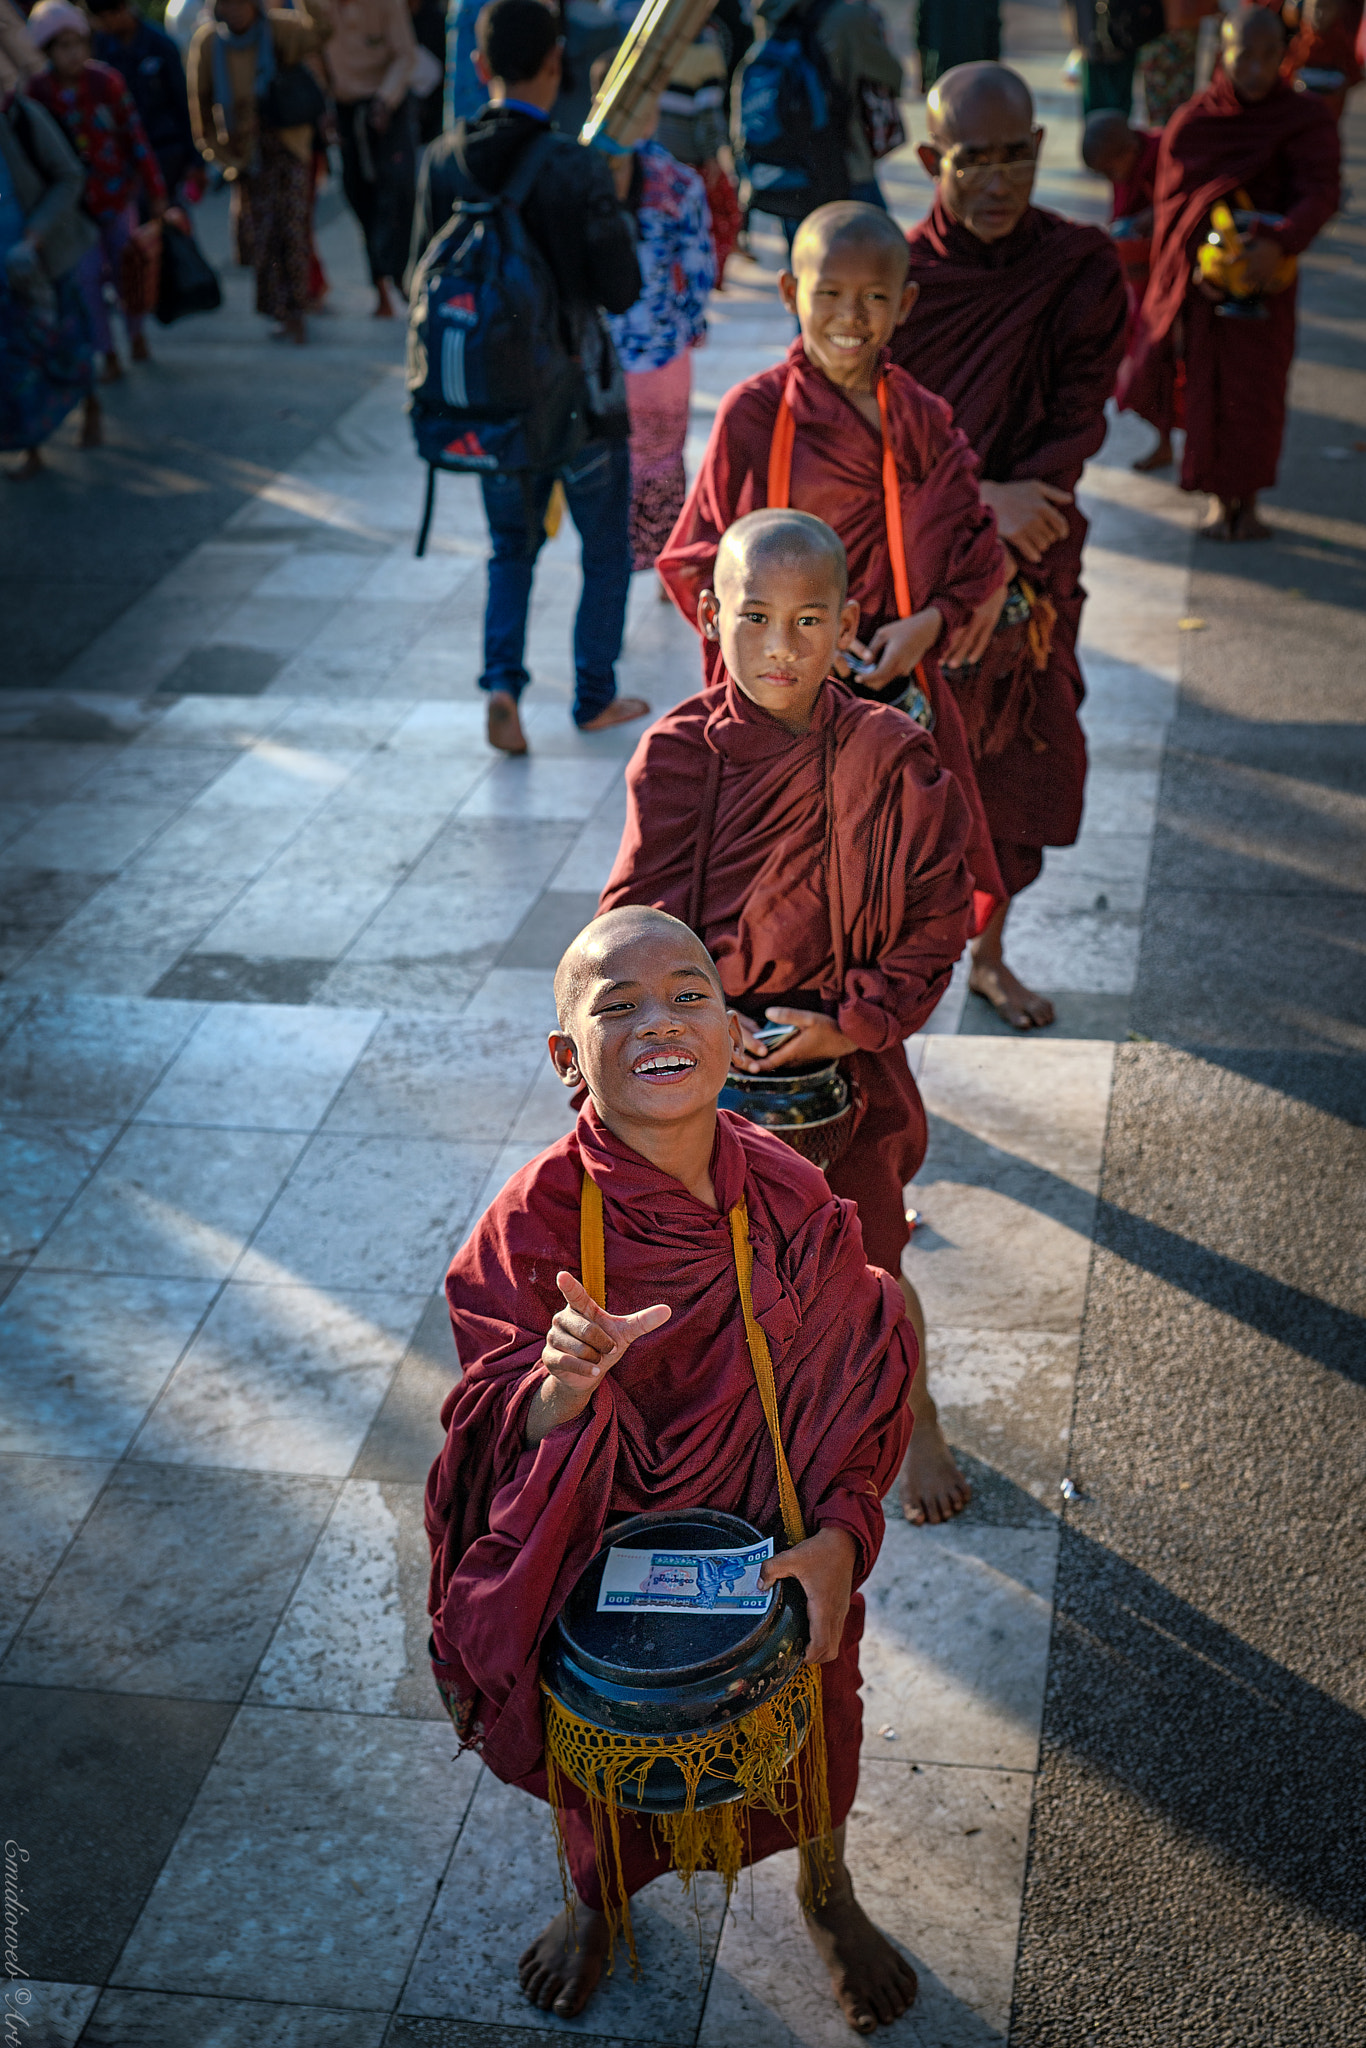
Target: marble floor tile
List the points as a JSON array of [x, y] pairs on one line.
[[168, 1200], [158, 775], [50, 2015], [268, 1066], [399, 577], [43, 771], [441, 986], [219, 570], [311, 573], [523, 998], [1045, 1103], [308, 1864], [1119, 800], [503, 1887], [174, 1585], [956, 1645], [379, 1212], [354, 1636], [952, 1907], [303, 908], [406, 1434], [42, 1165], [126, 936], [1083, 949], [546, 1112], [1005, 1396], [159, 2019], [986, 1260], [437, 1078], [445, 728], [275, 625], [1101, 863], [589, 860], [321, 722], [88, 1058], [281, 1379], [540, 789], [83, 1358], [43, 1502], [87, 837], [271, 774], [208, 838], [213, 722], [403, 789]]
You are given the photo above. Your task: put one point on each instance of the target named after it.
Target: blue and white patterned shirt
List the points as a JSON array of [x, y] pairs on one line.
[[677, 265]]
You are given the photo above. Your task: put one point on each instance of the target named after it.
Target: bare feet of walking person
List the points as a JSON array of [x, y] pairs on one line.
[[620, 711], [872, 1981], [560, 1971], [505, 725], [990, 978]]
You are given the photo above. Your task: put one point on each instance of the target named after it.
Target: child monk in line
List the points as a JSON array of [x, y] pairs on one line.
[[932, 588], [816, 844], [569, 1417]]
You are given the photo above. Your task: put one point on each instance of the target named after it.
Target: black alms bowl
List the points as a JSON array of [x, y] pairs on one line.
[[790, 1097], [672, 1674]]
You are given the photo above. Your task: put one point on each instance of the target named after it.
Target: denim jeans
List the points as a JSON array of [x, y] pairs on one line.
[[597, 488]]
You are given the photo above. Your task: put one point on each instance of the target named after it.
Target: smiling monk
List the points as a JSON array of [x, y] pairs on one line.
[[816, 844], [570, 1416], [1020, 326]]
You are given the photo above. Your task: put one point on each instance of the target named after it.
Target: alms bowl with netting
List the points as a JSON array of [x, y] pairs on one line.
[[812, 1107], [668, 1681]]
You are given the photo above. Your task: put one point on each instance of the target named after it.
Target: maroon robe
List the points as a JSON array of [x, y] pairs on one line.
[[1023, 338], [677, 1424], [857, 816], [1162, 406], [954, 559], [1284, 153]]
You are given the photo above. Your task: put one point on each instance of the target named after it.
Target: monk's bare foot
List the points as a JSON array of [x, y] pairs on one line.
[[932, 1487], [1247, 526], [873, 1983], [560, 1971], [505, 727], [1218, 522], [1161, 457], [1022, 1009], [620, 711], [384, 305]]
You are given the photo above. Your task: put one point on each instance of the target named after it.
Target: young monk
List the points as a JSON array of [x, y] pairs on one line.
[[1127, 158], [1249, 132], [1020, 326], [816, 844], [816, 432], [570, 1415]]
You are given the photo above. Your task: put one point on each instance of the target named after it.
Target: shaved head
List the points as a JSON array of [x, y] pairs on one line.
[[850, 224], [602, 952], [1253, 46], [1250, 24], [776, 535], [1106, 139], [973, 94]]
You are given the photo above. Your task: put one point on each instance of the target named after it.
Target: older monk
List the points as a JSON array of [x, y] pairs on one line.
[[575, 1411], [1249, 133], [1020, 325]]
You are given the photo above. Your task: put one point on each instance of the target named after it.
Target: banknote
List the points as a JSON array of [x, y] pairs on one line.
[[685, 1581]]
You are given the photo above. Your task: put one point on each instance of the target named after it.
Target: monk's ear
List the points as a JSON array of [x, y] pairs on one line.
[[849, 618], [908, 299], [929, 157], [564, 1058], [787, 290], [708, 612]]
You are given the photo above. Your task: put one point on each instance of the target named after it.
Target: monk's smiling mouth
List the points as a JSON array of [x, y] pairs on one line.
[[664, 1066]]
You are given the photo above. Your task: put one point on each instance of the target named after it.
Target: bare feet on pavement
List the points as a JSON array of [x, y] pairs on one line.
[[1234, 519], [620, 711], [505, 727], [560, 1971], [1161, 457], [873, 1983], [1022, 1009], [932, 1487], [384, 305]]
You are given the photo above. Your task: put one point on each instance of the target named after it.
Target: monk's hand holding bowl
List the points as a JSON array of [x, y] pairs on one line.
[[896, 648], [969, 644], [582, 1345], [824, 1568], [815, 1037], [1027, 514]]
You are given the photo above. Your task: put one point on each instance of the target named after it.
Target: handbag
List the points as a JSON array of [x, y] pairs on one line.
[[293, 99], [880, 112], [188, 282]]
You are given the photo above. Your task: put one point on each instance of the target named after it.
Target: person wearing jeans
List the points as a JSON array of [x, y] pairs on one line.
[[597, 489]]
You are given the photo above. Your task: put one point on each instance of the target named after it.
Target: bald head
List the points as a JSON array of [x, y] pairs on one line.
[[1107, 142], [781, 537], [606, 950], [851, 225], [1253, 46], [973, 97]]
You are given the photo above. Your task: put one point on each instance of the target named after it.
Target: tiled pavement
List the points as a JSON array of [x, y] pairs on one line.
[[277, 968]]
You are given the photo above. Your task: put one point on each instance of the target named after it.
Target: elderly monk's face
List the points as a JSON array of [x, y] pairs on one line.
[[1253, 48], [781, 618], [648, 1028], [849, 300], [985, 172]]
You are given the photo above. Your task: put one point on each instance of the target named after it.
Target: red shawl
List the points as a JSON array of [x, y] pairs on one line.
[[678, 1424], [1023, 338], [1284, 149], [953, 557]]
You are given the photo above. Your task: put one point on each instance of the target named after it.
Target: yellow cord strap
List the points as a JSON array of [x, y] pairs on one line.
[[593, 1267]]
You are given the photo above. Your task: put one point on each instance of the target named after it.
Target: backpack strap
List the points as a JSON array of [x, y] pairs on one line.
[[517, 190]]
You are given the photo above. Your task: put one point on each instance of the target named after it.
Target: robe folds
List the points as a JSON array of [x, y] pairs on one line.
[[1135, 194], [1283, 151], [677, 1424], [1023, 338], [954, 558], [855, 821]]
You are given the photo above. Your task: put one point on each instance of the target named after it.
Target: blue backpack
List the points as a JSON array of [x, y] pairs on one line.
[[792, 121], [492, 386]]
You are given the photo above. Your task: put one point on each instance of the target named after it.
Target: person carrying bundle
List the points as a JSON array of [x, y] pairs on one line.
[[667, 1310]]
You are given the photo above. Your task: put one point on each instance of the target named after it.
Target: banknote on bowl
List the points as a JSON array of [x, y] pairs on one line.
[[685, 1581]]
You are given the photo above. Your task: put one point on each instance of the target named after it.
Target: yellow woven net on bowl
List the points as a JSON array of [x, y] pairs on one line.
[[775, 1754]]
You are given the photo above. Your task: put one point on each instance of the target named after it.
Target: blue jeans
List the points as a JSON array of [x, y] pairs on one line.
[[597, 488]]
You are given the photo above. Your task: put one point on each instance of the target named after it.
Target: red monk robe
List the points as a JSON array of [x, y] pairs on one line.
[[1284, 152], [954, 559], [1134, 196], [677, 1425], [1023, 337], [864, 785]]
